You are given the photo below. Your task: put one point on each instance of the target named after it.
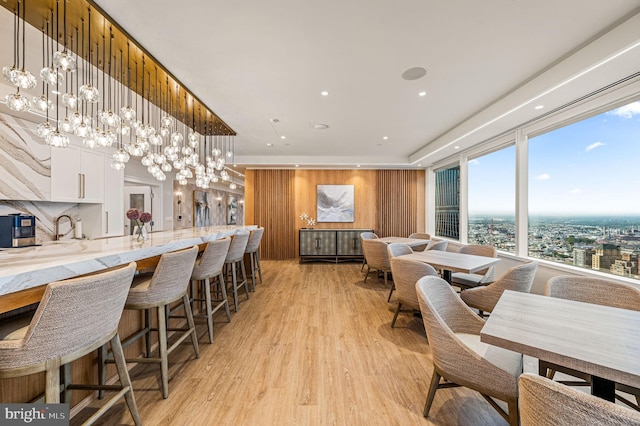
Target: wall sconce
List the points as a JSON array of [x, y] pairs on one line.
[[179, 201]]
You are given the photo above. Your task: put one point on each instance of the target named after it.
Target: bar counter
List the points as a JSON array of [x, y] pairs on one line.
[[25, 269]]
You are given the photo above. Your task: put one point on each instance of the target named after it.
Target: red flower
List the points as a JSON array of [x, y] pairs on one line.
[[133, 214], [145, 217]]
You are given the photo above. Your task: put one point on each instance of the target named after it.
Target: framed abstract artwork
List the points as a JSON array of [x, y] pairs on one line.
[[335, 203], [201, 209], [232, 210]]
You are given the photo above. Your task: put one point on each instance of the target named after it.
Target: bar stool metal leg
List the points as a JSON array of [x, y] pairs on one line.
[[257, 254]]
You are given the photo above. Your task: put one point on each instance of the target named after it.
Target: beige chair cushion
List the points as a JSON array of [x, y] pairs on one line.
[[466, 280], [506, 360]]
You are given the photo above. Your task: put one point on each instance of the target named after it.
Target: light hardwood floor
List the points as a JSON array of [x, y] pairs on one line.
[[313, 346]]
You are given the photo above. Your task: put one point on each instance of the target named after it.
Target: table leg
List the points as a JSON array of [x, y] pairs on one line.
[[603, 388], [446, 275]]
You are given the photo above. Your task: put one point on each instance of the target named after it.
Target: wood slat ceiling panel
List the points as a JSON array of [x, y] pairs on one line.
[[38, 12]]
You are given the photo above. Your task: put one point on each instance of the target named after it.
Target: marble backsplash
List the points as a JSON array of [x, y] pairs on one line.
[[46, 214]]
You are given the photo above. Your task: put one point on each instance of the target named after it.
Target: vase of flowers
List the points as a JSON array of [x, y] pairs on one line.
[[310, 221], [140, 230]]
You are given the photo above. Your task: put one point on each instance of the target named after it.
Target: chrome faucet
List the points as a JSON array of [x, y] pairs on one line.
[[56, 228]]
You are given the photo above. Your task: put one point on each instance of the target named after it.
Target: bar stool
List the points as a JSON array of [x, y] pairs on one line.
[[252, 250], [208, 267], [168, 284], [235, 257], [74, 318]]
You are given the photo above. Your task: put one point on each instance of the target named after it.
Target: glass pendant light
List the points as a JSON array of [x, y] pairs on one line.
[[126, 112], [43, 129], [23, 78], [64, 60], [9, 72], [57, 139], [17, 102], [88, 92]]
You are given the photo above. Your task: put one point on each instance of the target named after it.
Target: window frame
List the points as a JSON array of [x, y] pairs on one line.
[[594, 105]]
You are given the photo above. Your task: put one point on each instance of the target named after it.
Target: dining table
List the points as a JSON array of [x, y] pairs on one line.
[[450, 262], [411, 242], [601, 341]]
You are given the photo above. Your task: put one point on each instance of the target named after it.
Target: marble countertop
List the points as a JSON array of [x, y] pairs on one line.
[[27, 267]]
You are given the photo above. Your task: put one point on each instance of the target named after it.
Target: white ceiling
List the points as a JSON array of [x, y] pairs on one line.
[[254, 60]]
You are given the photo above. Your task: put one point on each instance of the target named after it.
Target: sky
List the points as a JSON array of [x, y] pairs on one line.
[[591, 167]]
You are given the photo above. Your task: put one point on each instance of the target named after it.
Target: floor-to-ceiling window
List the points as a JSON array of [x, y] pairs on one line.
[[561, 189], [583, 205], [491, 199]]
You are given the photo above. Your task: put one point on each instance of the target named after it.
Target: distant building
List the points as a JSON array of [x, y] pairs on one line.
[[627, 266], [605, 256], [583, 257], [447, 202]]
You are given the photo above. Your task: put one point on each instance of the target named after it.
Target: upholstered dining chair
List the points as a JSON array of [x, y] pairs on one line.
[[377, 258], [421, 236], [459, 356], [405, 275], [73, 319], [365, 236], [544, 402], [209, 268], [517, 278], [253, 250], [168, 284], [599, 292], [396, 249], [437, 245], [484, 277]]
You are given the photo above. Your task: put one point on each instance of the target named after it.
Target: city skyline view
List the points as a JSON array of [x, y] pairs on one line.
[[584, 169]]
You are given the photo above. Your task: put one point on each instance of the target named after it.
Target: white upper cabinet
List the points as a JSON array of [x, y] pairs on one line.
[[77, 175], [106, 219]]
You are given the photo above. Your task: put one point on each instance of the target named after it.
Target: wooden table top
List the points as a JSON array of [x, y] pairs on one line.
[[411, 242], [451, 261], [598, 340]]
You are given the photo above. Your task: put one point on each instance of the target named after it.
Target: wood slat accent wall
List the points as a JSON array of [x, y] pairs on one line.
[[389, 201], [274, 209], [400, 200]]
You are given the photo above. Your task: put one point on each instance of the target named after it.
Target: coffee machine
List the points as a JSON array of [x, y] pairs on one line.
[[17, 230]]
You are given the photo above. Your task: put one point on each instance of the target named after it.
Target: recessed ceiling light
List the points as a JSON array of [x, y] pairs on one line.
[[357, 165], [283, 137], [297, 165], [320, 126], [385, 137], [419, 165], [456, 147], [324, 93], [539, 106], [423, 93], [269, 145], [235, 165]]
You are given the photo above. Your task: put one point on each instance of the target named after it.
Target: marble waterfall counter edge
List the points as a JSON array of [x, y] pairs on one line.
[[28, 267]]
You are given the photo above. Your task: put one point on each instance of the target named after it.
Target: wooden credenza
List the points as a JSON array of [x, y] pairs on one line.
[[333, 245]]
